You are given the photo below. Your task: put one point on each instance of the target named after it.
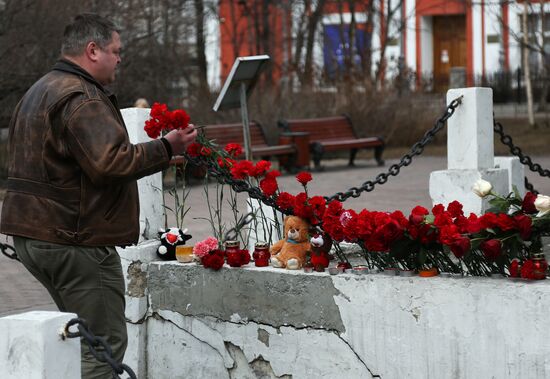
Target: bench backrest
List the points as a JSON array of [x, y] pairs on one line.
[[320, 129], [226, 133]]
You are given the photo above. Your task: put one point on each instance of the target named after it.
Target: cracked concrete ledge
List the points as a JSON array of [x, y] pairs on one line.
[[264, 322], [240, 351], [267, 295]]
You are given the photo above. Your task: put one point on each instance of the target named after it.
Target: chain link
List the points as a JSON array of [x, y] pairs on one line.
[[4, 247], [523, 158], [93, 341]]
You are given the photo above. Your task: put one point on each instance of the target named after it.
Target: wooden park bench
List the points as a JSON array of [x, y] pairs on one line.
[[333, 134], [222, 134]]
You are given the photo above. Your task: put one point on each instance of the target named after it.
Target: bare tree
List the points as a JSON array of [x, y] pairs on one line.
[[526, 66], [532, 40], [200, 45], [312, 23]]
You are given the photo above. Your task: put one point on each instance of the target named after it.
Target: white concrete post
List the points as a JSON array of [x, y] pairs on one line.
[[470, 130], [31, 347], [136, 259], [470, 152], [135, 264], [151, 211]]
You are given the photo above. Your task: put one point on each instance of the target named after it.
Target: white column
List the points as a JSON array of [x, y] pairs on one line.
[[136, 259], [135, 265], [470, 152], [151, 211], [477, 39], [31, 347], [410, 21], [470, 130]]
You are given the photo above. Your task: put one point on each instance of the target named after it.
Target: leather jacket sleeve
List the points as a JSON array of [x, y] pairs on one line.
[[97, 139]]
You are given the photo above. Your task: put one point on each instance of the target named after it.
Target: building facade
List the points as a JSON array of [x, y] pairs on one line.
[[430, 38]]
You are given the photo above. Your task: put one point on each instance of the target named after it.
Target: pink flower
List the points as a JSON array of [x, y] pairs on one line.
[[203, 247]]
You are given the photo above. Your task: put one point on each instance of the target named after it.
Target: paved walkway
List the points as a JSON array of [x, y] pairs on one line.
[[19, 291]]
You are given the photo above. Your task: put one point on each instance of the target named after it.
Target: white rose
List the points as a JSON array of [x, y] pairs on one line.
[[482, 188], [542, 203]]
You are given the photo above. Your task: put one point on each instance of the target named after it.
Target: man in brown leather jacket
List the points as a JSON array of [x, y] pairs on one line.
[[72, 191]]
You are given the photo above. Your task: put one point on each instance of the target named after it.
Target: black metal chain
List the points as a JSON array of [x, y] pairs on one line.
[[4, 247], [523, 158], [93, 341], [394, 169]]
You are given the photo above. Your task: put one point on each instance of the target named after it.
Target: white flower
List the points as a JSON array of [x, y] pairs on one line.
[[542, 203], [482, 188]]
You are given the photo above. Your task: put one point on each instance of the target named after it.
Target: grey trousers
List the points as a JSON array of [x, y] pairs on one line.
[[87, 281]]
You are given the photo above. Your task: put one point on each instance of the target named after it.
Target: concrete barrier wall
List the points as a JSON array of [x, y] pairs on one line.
[[264, 322]]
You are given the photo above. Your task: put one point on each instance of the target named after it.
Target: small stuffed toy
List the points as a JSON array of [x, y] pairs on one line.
[[320, 247], [169, 239], [291, 251]]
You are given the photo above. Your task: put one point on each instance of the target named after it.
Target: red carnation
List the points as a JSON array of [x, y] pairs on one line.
[[304, 177], [163, 119], [417, 215], [318, 203], [438, 209], [334, 207], [505, 222], [260, 169], [242, 169], [206, 151], [488, 220], [460, 246], [233, 149], [180, 119], [214, 259], [285, 200], [523, 224], [302, 208], [152, 128], [528, 204], [492, 249], [223, 163], [272, 174], [194, 149], [455, 209], [269, 186]]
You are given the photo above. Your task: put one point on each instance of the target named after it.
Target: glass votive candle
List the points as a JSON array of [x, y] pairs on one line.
[[184, 254], [261, 254]]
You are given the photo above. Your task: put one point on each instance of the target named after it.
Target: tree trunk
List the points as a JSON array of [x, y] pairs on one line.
[[312, 28], [526, 68], [545, 64], [200, 46]]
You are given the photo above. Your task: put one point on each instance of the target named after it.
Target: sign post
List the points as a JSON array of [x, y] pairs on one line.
[[236, 89]]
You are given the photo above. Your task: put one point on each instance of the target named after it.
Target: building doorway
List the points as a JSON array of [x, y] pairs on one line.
[[449, 44]]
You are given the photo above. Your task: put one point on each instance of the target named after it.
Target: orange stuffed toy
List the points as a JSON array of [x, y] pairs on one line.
[[291, 251]]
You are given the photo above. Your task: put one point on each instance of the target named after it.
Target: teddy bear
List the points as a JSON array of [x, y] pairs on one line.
[[169, 239], [291, 251], [321, 244]]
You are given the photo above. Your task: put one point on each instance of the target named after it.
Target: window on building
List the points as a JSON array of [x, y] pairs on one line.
[[338, 48]]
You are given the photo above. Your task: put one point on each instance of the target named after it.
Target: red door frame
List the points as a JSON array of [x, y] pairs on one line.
[[442, 8]]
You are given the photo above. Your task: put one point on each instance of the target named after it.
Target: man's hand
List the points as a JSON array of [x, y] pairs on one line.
[[180, 139]]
